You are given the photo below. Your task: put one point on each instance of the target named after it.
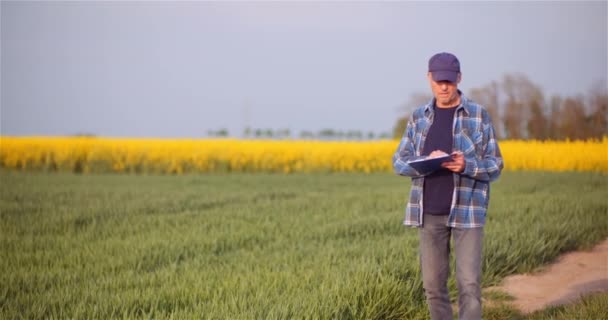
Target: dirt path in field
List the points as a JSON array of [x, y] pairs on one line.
[[573, 275]]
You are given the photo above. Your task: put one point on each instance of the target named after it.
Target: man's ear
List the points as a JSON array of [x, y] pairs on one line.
[[459, 77], [429, 76]]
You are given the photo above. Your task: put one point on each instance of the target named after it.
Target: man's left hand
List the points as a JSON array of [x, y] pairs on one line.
[[457, 164]]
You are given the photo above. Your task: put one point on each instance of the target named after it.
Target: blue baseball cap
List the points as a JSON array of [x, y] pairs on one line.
[[444, 67]]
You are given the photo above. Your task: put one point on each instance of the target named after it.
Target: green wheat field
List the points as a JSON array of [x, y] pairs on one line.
[[263, 246]]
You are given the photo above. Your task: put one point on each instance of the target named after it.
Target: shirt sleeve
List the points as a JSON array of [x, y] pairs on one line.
[[489, 166], [406, 152]]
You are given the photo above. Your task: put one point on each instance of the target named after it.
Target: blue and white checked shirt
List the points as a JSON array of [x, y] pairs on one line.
[[474, 136]]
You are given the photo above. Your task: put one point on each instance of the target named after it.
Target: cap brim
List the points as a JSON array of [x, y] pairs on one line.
[[450, 76]]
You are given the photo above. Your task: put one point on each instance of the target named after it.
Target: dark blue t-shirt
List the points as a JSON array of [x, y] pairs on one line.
[[439, 185]]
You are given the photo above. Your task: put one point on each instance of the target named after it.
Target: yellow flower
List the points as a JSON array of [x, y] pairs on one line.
[[84, 154]]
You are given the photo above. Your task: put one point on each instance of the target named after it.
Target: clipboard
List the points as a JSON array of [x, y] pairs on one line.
[[429, 165]]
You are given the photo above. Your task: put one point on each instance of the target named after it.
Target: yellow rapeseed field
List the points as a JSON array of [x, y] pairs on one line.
[[83, 154]]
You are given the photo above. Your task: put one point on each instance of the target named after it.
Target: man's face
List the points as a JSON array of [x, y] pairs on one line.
[[445, 92]]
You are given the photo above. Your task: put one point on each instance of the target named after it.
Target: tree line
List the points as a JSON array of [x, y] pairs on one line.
[[520, 110], [285, 133]]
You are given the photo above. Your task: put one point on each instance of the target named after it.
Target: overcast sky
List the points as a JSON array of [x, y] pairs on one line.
[[179, 69]]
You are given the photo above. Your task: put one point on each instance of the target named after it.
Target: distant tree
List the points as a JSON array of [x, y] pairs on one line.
[[553, 118], [247, 132], [520, 93], [573, 119], [598, 105], [538, 126], [488, 96], [327, 133], [283, 133], [371, 135], [340, 135], [84, 135], [384, 135], [513, 115], [269, 133], [259, 133], [358, 135], [354, 135], [306, 134], [223, 132]]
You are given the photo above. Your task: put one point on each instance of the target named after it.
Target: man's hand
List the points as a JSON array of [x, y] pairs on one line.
[[457, 164]]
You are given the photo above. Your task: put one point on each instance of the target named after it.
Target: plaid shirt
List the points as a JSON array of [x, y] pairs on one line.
[[474, 136]]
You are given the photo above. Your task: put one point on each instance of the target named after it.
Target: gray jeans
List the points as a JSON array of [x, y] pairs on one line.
[[435, 265]]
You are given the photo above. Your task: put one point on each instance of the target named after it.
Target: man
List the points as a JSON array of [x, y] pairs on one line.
[[453, 200]]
